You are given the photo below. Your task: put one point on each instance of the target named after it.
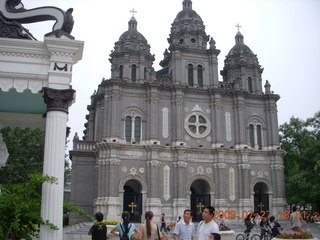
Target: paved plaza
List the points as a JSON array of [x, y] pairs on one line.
[[79, 231]]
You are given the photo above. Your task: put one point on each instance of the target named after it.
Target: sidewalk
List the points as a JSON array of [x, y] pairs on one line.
[[80, 231]]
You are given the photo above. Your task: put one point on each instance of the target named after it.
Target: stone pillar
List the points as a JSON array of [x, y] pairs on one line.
[[178, 102], [240, 125], [216, 116], [57, 102], [153, 202], [152, 120], [115, 116]]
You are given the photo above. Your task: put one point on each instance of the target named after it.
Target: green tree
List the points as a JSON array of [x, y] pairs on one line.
[[301, 140], [26, 148], [20, 208]]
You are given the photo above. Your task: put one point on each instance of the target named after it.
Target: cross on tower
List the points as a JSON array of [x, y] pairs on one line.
[[238, 26], [133, 11]]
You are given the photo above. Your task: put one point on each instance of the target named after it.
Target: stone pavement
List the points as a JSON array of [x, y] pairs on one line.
[[80, 231]]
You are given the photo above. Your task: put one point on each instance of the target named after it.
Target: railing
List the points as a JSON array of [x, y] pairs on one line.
[[84, 146]]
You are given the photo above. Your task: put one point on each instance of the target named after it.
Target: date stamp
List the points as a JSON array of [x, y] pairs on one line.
[[263, 214]]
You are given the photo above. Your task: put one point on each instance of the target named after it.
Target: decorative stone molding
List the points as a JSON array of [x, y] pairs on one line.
[[133, 171], [114, 161], [58, 100], [181, 164], [221, 165], [200, 170], [154, 163], [244, 166]]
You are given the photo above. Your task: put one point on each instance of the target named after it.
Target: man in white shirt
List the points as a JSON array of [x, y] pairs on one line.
[[185, 229], [207, 227]]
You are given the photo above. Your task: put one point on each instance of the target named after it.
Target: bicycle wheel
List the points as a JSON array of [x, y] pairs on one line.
[[267, 236], [240, 237], [255, 237]]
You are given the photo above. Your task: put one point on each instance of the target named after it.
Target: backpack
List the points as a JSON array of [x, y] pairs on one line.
[[124, 235]]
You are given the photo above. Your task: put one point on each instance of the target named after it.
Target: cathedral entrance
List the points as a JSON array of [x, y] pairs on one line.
[[200, 198], [132, 200], [261, 198]]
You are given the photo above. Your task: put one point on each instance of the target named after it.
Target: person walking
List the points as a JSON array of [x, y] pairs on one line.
[[185, 229], [208, 225], [149, 230], [98, 231], [296, 220], [163, 223], [125, 229]]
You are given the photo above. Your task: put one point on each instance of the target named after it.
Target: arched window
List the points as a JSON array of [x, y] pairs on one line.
[[200, 76], [250, 85], [133, 128], [145, 74], [121, 72], [128, 128], [190, 74], [255, 134], [137, 129], [251, 135], [133, 72], [259, 136]]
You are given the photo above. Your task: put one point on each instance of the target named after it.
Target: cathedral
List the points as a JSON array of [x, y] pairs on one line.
[[179, 138]]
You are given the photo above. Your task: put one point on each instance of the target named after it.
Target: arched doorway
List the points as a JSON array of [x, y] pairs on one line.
[[200, 198], [132, 200], [261, 197]]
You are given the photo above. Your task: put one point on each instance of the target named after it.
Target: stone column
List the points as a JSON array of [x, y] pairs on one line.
[[216, 116], [240, 125], [58, 102], [178, 102], [115, 117]]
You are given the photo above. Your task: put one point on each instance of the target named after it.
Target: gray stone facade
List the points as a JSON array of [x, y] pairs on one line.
[[179, 138]]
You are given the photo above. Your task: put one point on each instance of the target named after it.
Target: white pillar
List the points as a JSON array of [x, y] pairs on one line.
[[54, 157]]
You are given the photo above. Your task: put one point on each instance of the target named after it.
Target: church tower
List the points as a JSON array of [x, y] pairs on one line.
[[188, 59], [242, 68], [178, 138], [131, 58]]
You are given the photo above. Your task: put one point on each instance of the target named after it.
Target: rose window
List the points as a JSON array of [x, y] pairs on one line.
[[197, 125]]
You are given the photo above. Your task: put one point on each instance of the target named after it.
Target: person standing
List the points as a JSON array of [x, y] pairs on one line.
[[163, 223], [125, 229], [296, 220], [149, 230], [98, 231], [208, 225], [185, 229]]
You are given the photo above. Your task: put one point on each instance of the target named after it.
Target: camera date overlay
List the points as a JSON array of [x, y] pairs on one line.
[[263, 214]]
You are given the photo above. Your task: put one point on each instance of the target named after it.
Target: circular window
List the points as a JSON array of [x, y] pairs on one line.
[[197, 125], [193, 40], [181, 41]]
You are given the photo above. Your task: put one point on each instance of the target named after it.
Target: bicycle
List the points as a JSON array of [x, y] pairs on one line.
[[245, 236], [266, 236]]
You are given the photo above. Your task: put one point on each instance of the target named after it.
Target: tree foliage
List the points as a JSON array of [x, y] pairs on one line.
[[26, 148], [301, 140], [20, 208]]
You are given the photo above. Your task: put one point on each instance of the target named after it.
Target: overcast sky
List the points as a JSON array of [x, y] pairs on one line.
[[285, 35]]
